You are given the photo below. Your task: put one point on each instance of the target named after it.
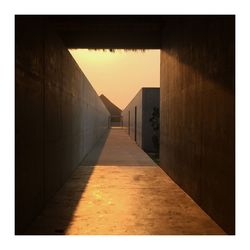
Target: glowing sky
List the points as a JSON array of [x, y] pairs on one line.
[[121, 74]]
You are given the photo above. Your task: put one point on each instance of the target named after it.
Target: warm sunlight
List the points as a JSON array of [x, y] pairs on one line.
[[121, 74], [138, 140]]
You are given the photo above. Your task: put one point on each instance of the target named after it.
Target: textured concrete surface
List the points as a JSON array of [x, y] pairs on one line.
[[115, 112], [58, 117], [109, 31], [117, 150], [198, 113], [197, 104], [130, 196], [144, 101]]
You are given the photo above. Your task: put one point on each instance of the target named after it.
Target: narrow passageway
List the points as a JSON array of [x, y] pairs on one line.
[[119, 190]]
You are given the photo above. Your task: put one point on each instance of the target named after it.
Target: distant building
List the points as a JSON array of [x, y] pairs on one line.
[[115, 112], [137, 115]]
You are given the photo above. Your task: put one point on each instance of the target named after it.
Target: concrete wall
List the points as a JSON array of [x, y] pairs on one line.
[[151, 99], [145, 100], [198, 111], [130, 127], [58, 117]]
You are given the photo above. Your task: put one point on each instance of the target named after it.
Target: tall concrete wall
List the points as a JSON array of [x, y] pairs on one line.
[[58, 117], [197, 111], [129, 123], [115, 112], [145, 100]]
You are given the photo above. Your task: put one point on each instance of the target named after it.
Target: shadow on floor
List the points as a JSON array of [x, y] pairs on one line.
[[60, 209], [91, 159]]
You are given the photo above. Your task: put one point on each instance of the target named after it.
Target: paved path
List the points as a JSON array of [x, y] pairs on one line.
[[119, 190]]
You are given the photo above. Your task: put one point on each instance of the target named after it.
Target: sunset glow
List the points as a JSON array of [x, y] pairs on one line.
[[121, 74]]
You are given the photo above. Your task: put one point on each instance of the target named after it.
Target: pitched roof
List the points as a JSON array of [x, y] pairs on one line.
[[112, 108]]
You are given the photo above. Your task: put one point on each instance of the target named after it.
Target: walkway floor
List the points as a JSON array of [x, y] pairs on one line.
[[120, 190]]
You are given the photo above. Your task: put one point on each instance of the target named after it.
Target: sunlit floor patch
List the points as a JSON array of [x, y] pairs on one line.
[[122, 200]]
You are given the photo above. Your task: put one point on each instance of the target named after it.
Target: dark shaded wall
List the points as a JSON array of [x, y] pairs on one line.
[[151, 100], [109, 31], [145, 101], [115, 112], [58, 117], [129, 122], [197, 100]]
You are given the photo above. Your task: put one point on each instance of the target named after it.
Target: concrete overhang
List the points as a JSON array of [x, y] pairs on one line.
[[110, 32]]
